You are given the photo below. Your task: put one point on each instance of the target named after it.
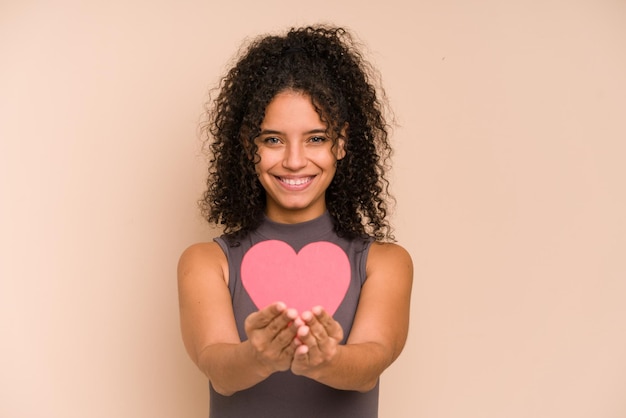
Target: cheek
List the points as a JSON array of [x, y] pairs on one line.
[[264, 164], [330, 161], [267, 159]]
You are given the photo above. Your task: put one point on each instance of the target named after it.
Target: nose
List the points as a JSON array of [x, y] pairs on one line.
[[294, 158]]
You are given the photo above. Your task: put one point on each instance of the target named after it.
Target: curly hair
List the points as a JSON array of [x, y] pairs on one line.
[[325, 64]]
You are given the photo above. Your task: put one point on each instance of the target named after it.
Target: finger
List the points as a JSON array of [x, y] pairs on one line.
[[321, 334], [287, 352], [265, 316], [321, 315], [286, 336], [307, 316], [316, 328], [301, 359], [279, 323], [302, 352], [314, 346], [332, 327], [303, 334]]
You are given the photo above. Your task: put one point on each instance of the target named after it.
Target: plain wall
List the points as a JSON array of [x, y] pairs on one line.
[[508, 173]]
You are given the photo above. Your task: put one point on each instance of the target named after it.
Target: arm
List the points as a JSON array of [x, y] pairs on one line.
[[378, 334], [209, 330]]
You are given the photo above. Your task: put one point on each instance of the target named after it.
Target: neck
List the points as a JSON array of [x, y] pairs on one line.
[[293, 216]]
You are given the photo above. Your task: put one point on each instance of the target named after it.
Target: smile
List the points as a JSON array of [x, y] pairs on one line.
[[296, 182]]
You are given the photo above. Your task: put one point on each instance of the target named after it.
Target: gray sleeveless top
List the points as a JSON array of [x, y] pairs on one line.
[[263, 255]]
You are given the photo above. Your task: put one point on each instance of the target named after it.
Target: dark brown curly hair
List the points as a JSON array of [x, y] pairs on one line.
[[325, 64]]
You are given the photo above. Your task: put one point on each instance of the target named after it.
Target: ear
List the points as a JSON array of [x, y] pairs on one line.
[[341, 143]]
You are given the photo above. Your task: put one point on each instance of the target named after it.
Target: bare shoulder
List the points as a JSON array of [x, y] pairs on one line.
[[202, 258], [386, 255]]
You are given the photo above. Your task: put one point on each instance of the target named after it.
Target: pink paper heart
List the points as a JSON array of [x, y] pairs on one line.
[[319, 274]]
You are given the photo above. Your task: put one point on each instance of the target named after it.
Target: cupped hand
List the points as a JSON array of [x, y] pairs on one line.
[[271, 334], [318, 338]]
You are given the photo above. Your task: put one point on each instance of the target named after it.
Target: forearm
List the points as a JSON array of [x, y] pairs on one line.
[[231, 367], [353, 367]]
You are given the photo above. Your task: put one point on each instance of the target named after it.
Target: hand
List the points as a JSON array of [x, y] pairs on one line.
[[271, 333], [318, 339]]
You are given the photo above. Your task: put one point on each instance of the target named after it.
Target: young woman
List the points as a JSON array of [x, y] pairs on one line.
[[304, 301]]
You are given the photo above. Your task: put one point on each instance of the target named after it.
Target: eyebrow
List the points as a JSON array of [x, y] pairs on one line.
[[273, 132]]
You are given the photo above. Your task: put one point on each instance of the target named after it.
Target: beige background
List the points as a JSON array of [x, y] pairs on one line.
[[509, 175]]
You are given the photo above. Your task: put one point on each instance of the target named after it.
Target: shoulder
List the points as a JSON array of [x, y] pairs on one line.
[[202, 258], [202, 252], [380, 251], [387, 255]]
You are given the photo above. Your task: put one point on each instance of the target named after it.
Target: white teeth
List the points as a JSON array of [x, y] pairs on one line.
[[296, 182]]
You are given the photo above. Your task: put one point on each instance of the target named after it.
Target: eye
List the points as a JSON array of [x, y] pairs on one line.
[[271, 140], [317, 139]]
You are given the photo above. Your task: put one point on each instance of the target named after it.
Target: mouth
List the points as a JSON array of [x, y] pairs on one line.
[[296, 182]]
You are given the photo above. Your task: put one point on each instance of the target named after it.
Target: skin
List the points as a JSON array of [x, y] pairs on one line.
[[294, 147], [297, 159]]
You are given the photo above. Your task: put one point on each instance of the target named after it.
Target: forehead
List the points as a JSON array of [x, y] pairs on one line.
[[291, 109]]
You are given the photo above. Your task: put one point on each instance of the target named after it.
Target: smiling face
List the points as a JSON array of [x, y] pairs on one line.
[[297, 159]]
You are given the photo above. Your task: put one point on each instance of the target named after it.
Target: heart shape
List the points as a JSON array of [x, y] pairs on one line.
[[319, 274]]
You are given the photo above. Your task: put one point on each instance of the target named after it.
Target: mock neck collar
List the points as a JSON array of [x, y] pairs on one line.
[[311, 229]]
